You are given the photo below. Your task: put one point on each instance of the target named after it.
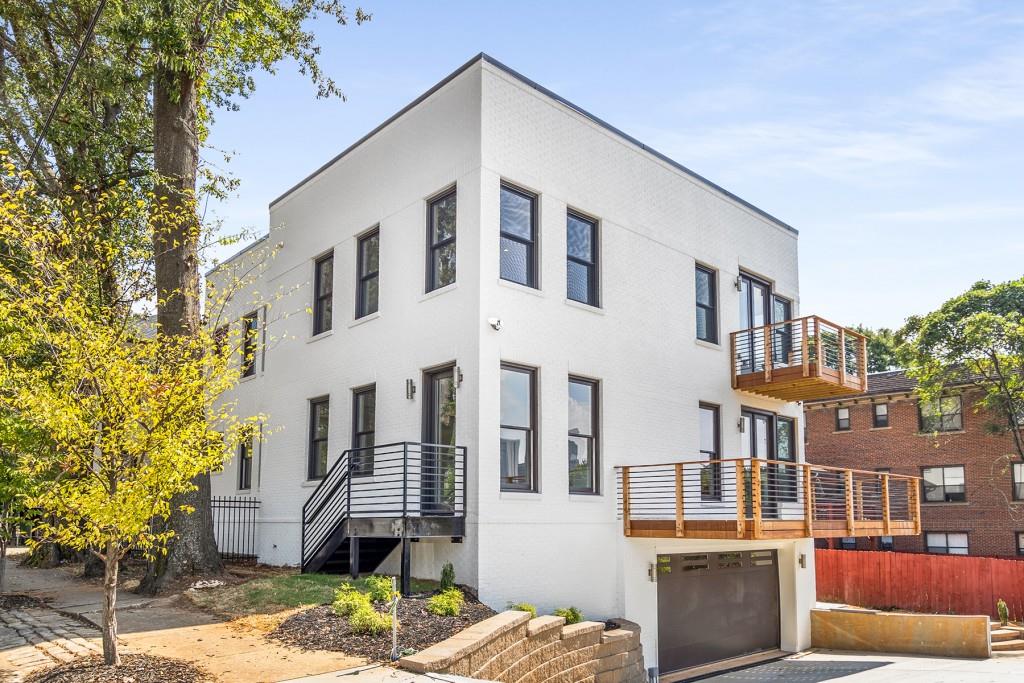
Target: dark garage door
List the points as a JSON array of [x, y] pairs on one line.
[[714, 606]]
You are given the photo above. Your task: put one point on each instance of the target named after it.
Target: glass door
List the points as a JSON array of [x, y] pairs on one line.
[[755, 299], [757, 444], [438, 476]]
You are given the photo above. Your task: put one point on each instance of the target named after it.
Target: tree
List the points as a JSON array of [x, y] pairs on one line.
[[882, 344], [130, 418]]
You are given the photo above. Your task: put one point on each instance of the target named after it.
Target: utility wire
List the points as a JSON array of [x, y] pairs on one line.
[[64, 86]]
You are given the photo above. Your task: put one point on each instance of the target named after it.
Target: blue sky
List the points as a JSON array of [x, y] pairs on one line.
[[891, 134]]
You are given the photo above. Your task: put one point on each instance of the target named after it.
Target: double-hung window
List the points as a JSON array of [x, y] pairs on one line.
[[518, 432], [581, 259], [364, 422], [1020, 542], [250, 331], [319, 423], [323, 288], [946, 543], [707, 305], [941, 415], [842, 419], [880, 415], [368, 268], [1017, 473], [441, 241], [518, 236], [245, 448], [583, 428], [710, 451], [944, 484]]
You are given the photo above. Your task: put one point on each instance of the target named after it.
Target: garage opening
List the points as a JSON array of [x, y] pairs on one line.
[[714, 607]]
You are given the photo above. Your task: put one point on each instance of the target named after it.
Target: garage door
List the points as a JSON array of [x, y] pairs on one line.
[[715, 606]]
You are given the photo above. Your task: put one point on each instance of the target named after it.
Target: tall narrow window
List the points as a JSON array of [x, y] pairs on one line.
[[518, 236], [323, 288], [944, 484], [364, 421], [1017, 475], [441, 241], [319, 422], [369, 274], [707, 305], [250, 331], [710, 450], [245, 448], [583, 450], [880, 415], [842, 419], [782, 332], [518, 434], [581, 259], [941, 415], [785, 451]]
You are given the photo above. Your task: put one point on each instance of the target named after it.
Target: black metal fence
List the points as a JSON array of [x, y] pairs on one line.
[[235, 526]]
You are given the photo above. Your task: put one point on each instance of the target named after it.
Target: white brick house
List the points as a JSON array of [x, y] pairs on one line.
[[525, 361]]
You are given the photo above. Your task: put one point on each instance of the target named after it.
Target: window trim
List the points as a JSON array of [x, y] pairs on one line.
[[250, 339], [716, 484], [432, 282], [928, 548], [357, 392], [531, 244], [848, 418], [711, 308], [313, 440], [245, 473], [1014, 482], [941, 415], [593, 266], [924, 498], [318, 298], [594, 436], [363, 279], [532, 486], [1019, 537], [874, 415]]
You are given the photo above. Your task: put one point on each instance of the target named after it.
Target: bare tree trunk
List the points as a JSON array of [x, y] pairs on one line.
[[193, 550], [111, 657], [3, 562]]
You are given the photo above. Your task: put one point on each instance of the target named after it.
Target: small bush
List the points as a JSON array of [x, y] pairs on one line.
[[447, 576], [1004, 612], [380, 588], [348, 600], [446, 603], [524, 607], [572, 615], [369, 621]]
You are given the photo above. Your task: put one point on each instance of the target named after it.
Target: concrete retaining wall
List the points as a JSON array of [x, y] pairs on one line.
[[510, 647], [946, 635]]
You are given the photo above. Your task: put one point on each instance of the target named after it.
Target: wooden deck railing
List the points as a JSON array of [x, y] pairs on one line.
[[798, 359], [751, 499]]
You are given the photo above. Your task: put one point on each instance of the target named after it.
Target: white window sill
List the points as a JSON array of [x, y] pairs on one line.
[[597, 310], [322, 335], [707, 344], [311, 483], [525, 289], [248, 378], [439, 291], [533, 496], [364, 319], [586, 498]]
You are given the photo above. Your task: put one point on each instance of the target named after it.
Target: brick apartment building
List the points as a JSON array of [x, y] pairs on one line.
[[972, 495]]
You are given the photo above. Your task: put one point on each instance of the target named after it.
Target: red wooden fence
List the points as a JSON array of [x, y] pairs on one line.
[[937, 584]]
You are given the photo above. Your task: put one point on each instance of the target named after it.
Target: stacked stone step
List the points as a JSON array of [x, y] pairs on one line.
[[1009, 638]]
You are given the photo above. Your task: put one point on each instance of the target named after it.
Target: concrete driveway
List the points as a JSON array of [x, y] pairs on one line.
[[828, 665]]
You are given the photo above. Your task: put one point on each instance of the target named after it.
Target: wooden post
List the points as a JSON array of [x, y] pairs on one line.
[[741, 504], [817, 347], [842, 356], [850, 522], [767, 353], [808, 502], [863, 363], [858, 489], [885, 505], [914, 503], [755, 496], [805, 361], [679, 500], [625, 501]]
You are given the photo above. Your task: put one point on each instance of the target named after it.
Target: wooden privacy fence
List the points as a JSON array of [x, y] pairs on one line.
[[937, 584]]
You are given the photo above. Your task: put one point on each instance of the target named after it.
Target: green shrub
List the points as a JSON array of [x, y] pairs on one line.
[[348, 600], [369, 621], [447, 576], [380, 588], [1004, 612], [447, 603], [572, 615], [524, 607]]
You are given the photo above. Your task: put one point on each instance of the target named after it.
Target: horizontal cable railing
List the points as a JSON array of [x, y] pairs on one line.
[[754, 498], [814, 345], [395, 480]]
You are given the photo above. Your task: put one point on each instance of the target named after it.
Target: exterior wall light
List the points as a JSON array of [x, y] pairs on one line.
[[410, 389]]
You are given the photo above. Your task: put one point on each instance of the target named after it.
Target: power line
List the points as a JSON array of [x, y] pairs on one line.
[[64, 86]]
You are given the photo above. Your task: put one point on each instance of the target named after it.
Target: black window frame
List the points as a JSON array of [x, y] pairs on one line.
[[532, 441], [886, 545], [1017, 485], [593, 290], [363, 279], [312, 463], [1019, 537], [786, 476], [433, 281], [960, 496], [594, 438], [323, 302], [710, 310], [530, 244], [930, 548], [847, 542], [250, 340], [941, 415], [245, 460], [711, 484], [362, 461], [877, 423], [848, 420]]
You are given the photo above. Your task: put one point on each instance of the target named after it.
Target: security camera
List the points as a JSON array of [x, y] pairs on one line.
[[495, 323]]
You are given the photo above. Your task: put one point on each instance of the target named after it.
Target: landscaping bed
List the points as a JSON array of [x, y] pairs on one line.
[[15, 601], [319, 628], [133, 669]]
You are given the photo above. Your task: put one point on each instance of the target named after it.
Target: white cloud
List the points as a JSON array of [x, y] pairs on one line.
[[988, 91]]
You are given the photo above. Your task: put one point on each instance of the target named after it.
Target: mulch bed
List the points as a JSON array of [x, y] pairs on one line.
[[133, 669], [15, 601], [319, 628]]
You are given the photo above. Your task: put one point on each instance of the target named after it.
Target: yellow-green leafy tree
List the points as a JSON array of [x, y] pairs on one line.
[[130, 417]]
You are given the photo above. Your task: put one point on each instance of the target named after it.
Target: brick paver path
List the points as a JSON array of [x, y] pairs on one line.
[[33, 637]]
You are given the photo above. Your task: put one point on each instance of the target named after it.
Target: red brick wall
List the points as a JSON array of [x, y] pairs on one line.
[[988, 516]]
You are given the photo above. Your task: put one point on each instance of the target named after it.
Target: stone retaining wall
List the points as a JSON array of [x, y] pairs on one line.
[[513, 648]]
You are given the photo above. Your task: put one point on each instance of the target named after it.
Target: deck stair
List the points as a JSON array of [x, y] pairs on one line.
[[1009, 638]]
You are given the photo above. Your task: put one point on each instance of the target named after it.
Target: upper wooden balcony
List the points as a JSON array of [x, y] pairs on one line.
[[752, 499], [801, 359]]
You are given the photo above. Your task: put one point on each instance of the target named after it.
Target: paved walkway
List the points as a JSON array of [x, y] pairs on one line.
[[32, 637]]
